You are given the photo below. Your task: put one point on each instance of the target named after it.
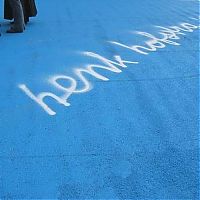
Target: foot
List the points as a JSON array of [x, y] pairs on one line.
[[12, 27], [26, 22], [12, 30]]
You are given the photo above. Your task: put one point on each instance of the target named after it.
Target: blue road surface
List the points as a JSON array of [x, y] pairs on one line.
[[100, 100]]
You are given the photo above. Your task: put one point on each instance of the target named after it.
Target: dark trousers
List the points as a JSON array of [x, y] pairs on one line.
[[18, 14]]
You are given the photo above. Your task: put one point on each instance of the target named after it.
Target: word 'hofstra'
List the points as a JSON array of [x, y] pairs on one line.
[[168, 36]]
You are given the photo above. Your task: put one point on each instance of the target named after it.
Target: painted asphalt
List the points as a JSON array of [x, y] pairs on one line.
[[123, 130]]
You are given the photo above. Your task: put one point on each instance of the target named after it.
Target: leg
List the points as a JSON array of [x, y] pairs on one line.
[[18, 15]]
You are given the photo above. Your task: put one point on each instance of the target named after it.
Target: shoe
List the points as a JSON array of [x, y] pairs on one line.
[[24, 27], [12, 30], [26, 22], [12, 23]]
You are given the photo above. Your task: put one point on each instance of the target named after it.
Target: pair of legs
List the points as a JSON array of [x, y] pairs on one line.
[[18, 15]]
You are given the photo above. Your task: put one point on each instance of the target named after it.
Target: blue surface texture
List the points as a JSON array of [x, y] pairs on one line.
[[100, 100]]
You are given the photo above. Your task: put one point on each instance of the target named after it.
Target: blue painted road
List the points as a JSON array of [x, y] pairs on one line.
[[119, 119]]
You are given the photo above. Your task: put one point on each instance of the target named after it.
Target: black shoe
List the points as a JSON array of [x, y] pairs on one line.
[[12, 30], [24, 27], [13, 23]]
